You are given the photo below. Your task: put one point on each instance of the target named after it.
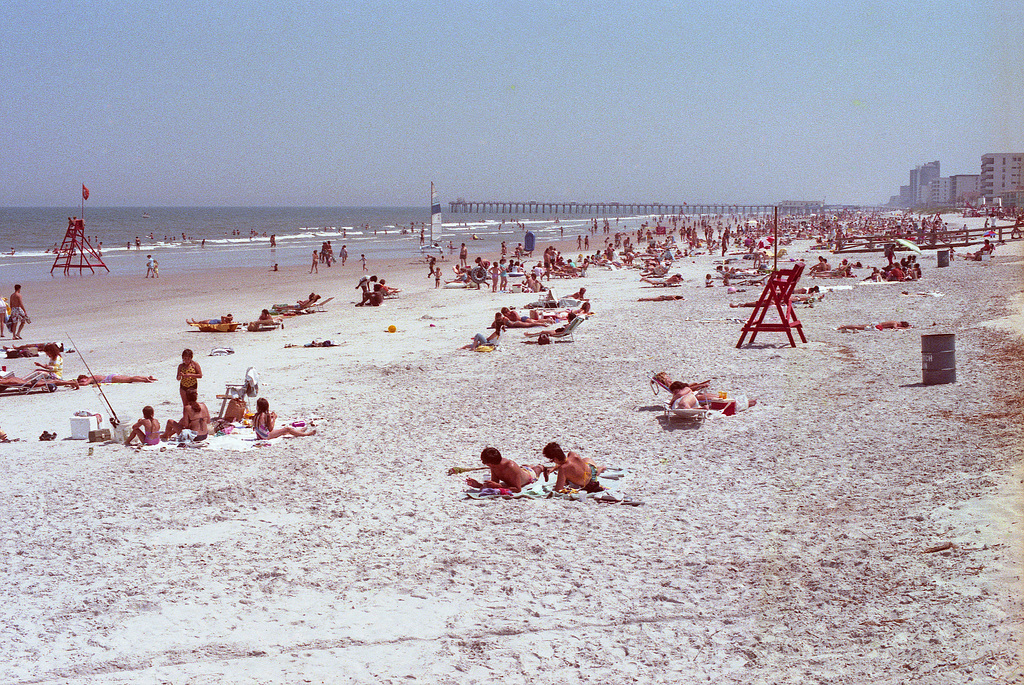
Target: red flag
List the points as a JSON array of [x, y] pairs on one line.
[[85, 192]]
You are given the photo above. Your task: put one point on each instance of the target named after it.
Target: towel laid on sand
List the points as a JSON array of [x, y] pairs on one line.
[[545, 489]]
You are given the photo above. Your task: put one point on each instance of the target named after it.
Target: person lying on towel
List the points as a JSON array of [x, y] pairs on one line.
[[505, 473], [573, 471]]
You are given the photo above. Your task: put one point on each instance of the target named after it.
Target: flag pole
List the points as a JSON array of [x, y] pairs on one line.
[[775, 242]]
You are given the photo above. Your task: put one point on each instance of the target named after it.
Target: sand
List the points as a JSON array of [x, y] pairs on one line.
[[784, 544]]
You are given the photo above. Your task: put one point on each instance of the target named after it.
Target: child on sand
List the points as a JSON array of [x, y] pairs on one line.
[[263, 424], [146, 429]]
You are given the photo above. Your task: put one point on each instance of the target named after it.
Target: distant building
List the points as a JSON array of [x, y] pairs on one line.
[[1000, 172], [940, 193], [963, 187]]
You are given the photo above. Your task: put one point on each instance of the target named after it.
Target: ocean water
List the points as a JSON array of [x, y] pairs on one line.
[[175, 235]]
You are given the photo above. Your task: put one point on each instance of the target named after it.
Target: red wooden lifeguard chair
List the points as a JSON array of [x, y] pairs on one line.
[[76, 246], [777, 292], [76, 252]]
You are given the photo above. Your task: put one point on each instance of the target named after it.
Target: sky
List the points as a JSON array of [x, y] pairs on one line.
[[307, 103]]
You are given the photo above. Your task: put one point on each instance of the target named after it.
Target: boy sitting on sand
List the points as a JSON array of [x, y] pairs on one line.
[[505, 473]]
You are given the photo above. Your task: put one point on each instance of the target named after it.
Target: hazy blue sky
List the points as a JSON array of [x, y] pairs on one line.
[[364, 103]]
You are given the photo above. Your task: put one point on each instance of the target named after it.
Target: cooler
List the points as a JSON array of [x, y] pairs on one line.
[[81, 425]]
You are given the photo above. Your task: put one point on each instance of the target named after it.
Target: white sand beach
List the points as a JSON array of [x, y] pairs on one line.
[[786, 544]]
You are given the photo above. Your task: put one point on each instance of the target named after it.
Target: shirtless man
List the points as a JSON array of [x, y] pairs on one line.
[[19, 315], [146, 429], [195, 417], [505, 473], [573, 471]]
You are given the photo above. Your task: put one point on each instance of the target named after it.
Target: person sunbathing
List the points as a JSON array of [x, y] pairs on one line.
[[84, 380], [146, 429], [303, 304], [820, 267], [512, 319], [674, 279], [263, 423], [661, 298], [493, 339], [579, 295], [987, 248], [505, 473], [881, 326], [683, 396], [573, 471], [55, 367], [557, 331], [195, 417]]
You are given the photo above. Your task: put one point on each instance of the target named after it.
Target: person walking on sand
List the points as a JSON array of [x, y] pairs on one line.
[[343, 254], [362, 258], [149, 265], [463, 255], [316, 263], [19, 315]]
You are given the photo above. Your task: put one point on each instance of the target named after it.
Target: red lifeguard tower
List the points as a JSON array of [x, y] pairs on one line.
[[76, 252], [776, 294]]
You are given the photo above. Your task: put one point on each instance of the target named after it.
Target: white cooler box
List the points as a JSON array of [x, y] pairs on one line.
[[81, 425]]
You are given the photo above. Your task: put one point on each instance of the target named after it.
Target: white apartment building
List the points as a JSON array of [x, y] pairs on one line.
[[1000, 172], [940, 192]]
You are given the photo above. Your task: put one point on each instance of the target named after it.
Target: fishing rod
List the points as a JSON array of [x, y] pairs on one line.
[[114, 421]]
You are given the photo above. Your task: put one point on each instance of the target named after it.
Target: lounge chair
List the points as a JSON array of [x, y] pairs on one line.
[[567, 332], [37, 381]]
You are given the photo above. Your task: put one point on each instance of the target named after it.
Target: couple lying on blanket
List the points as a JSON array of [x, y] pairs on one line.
[[574, 472]]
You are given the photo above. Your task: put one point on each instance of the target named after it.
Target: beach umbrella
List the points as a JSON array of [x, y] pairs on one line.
[[909, 245]]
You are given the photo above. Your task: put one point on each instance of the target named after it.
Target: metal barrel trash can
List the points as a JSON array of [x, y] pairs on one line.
[[529, 241], [943, 257], [938, 358]]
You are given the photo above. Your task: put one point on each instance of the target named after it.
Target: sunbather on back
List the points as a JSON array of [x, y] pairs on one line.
[[505, 473]]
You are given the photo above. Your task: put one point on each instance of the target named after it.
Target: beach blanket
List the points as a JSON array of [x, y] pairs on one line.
[[545, 489], [239, 440]]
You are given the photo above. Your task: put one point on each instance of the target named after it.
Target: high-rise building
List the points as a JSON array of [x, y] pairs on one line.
[[1000, 172], [963, 186]]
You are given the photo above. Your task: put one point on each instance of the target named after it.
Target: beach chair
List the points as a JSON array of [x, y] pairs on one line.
[[249, 387], [567, 333], [318, 306], [34, 382], [698, 414]]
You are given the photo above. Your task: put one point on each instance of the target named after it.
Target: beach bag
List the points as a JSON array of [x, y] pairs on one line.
[[544, 339]]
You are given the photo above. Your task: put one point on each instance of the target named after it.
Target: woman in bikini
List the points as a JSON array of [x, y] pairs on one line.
[[263, 423], [189, 374], [146, 429]]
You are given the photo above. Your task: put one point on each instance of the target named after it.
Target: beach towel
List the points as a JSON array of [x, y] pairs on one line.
[[545, 489]]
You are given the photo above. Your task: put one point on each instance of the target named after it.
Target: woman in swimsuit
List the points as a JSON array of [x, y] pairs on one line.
[[189, 374], [55, 367], [573, 471], [146, 429], [114, 378], [263, 423]]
